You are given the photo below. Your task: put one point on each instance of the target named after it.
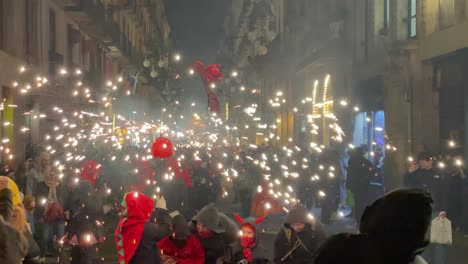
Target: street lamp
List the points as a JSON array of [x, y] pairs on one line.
[[177, 57]]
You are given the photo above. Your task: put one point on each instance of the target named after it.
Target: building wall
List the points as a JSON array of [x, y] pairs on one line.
[[25, 40]]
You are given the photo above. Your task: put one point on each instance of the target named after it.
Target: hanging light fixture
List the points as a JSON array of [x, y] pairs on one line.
[[146, 63], [154, 73]]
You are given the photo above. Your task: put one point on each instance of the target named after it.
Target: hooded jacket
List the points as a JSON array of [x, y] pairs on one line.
[[402, 215], [235, 252], [298, 248], [225, 232], [135, 235]]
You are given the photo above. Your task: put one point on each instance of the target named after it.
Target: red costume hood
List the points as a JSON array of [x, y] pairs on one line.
[[137, 210]]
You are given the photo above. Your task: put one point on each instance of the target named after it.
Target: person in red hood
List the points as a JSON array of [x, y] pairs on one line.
[[182, 246], [248, 248], [135, 235]]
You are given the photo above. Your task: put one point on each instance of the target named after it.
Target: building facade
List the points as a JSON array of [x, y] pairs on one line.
[[102, 39], [390, 58]]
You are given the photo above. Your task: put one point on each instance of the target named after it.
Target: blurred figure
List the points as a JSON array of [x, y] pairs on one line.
[[299, 237], [422, 175], [249, 179], [181, 247], [456, 182], [13, 245], [441, 238], [358, 180], [51, 214], [84, 206], [384, 236], [29, 203], [36, 172], [330, 180]]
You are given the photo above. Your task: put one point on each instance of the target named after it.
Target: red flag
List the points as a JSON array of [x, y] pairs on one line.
[[210, 74]]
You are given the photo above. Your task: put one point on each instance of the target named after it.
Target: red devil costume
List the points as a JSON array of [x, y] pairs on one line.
[[248, 249], [135, 236], [210, 74]]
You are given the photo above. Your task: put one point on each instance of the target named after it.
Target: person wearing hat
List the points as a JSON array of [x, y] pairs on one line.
[[210, 230], [13, 245], [422, 175], [393, 230], [248, 248], [182, 247], [299, 238]]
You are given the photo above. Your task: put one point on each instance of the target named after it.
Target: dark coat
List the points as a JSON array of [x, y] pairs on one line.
[[359, 173], [214, 247], [350, 248], [13, 245], [312, 237], [34, 252], [147, 251], [235, 254], [428, 180], [85, 207], [42, 192]]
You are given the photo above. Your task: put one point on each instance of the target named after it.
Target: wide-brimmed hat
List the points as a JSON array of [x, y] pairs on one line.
[[180, 227], [209, 217]]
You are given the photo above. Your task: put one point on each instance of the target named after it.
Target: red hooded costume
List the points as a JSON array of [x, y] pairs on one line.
[[137, 210]]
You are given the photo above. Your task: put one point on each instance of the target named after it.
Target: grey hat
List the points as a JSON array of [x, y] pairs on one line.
[[297, 214], [209, 217]]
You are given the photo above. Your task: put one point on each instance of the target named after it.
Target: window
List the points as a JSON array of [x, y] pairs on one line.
[[446, 13], [386, 16], [52, 30], [2, 24], [412, 18]]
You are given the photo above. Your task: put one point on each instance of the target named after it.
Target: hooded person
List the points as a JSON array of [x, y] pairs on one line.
[[248, 248], [136, 236], [299, 238], [393, 230], [215, 231], [182, 247]]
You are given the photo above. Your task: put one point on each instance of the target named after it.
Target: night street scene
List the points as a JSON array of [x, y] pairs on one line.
[[234, 131]]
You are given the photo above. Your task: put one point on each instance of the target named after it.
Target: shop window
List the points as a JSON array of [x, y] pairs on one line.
[[386, 16], [412, 21]]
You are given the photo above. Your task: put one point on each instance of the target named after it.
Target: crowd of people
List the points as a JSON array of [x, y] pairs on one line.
[[168, 214]]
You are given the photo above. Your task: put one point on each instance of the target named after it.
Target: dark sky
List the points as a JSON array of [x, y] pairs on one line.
[[197, 26], [196, 29]]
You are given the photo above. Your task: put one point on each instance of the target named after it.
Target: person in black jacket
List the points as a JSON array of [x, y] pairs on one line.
[[299, 237], [85, 220], [422, 175], [358, 180]]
